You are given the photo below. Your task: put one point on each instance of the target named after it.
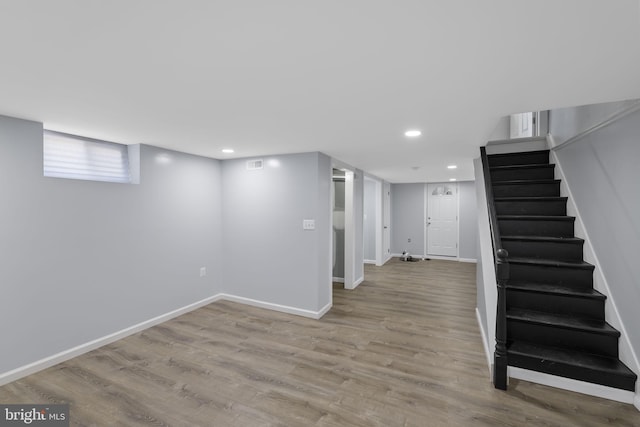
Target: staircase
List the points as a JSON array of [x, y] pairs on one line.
[[555, 319]]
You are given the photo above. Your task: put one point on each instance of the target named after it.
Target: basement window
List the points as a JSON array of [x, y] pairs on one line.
[[77, 157]]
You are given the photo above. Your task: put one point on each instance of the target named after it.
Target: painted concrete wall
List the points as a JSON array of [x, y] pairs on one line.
[[565, 123], [468, 220], [369, 220], [81, 259], [407, 219], [601, 173], [267, 255], [408, 205]]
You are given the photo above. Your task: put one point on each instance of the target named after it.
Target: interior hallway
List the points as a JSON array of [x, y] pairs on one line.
[[403, 349]]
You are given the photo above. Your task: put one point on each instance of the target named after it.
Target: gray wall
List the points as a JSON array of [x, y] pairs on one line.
[[468, 218], [369, 220], [81, 259], [601, 172], [407, 218], [565, 123], [267, 255]]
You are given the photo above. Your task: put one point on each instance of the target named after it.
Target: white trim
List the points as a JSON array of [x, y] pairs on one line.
[[636, 402], [612, 315], [324, 310], [349, 228], [590, 389], [52, 360], [337, 279], [356, 283], [606, 122], [485, 342], [516, 140], [472, 260], [47, 362], [517, 145], [277, 307], [369, 261]]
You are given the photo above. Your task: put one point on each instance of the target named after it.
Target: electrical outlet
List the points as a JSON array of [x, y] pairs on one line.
[[409, 240], [203, 271]]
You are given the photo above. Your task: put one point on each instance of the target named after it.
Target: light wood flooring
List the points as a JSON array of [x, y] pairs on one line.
[[403, 349]]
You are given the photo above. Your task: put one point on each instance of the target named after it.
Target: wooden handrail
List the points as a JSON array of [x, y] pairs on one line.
[[501, 263]]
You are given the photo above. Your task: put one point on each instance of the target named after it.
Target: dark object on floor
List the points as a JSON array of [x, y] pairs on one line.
[[408, 258]]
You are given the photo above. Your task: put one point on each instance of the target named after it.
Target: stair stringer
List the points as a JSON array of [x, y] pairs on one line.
[[627, 354], [570, 384]]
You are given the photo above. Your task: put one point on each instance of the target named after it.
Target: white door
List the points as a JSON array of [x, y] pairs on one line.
[[442, 219], [386, 222]]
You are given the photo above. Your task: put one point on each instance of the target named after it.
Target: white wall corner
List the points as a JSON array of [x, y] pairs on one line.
[[324, 310], [636, 401], [356, 283], [471, 260], [277, 307]]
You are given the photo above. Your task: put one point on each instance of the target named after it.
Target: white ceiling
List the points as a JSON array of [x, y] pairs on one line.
[[345, 77]]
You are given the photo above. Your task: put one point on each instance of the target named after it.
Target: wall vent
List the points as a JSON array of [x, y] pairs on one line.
[[254, 164]]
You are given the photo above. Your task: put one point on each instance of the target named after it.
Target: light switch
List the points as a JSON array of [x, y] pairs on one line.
[[308, 224]]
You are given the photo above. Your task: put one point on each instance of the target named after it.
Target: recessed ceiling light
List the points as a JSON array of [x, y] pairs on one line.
[[452, 179], [227, 150], [452, 167], [412, 133]]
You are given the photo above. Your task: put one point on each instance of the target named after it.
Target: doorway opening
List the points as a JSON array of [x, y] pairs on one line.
[[338, 213]]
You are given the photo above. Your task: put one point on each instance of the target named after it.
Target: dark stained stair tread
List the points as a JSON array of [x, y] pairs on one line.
[[538, 217], [544, 239], [562, 321], [530, 199], [523, 158], [552, 263], [555, 319], [527, 182], [554, 289], [573, 364], [520, 167], [545, 288]]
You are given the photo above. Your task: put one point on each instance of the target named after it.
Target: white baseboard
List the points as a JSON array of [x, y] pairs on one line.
[[485, 343], [277, 307], [472, 260], [324, 310], [590, 389], [47, 362], [357, 282], [369, 261], [338, 279]]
